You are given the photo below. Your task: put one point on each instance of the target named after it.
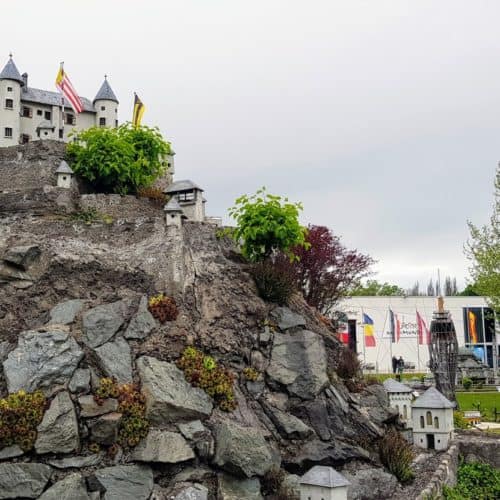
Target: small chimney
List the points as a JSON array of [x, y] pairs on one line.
[[24, 76]]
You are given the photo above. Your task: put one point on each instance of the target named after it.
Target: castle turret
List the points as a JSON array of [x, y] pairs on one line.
[[106, 106], [10, 104]]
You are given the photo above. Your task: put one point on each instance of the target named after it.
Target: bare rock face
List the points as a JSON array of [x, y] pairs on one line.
[[72, 487], [126, 482], [22, 256], [243, 451], [105, 429], [298, 361], [23, 480], [102, 322], [370, 483], [89, 408], [232, 488], [115, 360], [42, 359], [163, 446], [65, 312], [169, 397], [58, 431], [142, 323]]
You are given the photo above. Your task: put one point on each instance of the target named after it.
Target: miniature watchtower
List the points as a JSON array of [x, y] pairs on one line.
[[443, 350], [64, 175], [106, 106], [400, 398], [190, 198], [173, 213], [323, 483]]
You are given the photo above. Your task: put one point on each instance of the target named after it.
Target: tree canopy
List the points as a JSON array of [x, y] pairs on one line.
[[375, 288]]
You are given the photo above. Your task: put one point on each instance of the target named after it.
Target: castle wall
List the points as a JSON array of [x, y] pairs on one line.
[[10, 117], [120, 207], [109, 113]]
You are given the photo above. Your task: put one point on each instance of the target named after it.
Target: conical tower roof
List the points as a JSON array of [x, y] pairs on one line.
[[10, 72], [173, 206], [106, 92]]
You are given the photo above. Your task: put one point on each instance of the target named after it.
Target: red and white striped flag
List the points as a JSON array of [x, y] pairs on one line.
[[424, 335], [63, 83]]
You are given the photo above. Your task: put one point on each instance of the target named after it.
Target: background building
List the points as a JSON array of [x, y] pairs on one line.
[[473, 321], [30, 114]]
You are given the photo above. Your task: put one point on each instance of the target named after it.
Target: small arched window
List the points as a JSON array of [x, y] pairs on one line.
[[422, 422], [436, 422], [397, 408], [405, 412], [428, 417]]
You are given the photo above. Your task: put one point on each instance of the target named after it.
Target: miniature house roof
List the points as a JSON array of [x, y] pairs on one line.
[[327, 477], [173, 206], [184, 185], [391, 385], [64, 168], [10, 72], [106, 93], [432, 398]]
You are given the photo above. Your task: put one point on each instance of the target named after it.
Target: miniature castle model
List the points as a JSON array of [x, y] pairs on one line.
[[189, 198], [323, 483], [29, 114], [432, 416], [400, 398]]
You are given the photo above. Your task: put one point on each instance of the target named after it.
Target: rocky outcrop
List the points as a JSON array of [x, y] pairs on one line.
[[115, 360], [72, 487], [126, 482], [163, 446], [232, 488], [65, 312], [102, 322], [23, 480]]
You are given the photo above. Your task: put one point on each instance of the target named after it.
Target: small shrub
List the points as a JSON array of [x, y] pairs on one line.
[[204, 372], [396, 454], [134, 425], [459, 421], [156, 195], [251, 374], [349, 366], [94, 448], [163, 308], [20, 414], [274, 486], [476, 481], [274, 283], [91, 215], [467, 383]]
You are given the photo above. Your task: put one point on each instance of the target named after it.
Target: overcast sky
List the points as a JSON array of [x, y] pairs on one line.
[[382, 117]]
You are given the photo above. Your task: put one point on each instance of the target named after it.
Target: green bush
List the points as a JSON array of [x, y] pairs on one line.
[[396, 454], [459, 421], [267, 224], [475, 481], [274, 283], [119, 160], [467, 383]]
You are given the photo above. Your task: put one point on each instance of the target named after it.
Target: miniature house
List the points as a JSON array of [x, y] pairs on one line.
[[173, 213], [64, 175], [190, 199], [323, 483], [400, 398], [432, 416]]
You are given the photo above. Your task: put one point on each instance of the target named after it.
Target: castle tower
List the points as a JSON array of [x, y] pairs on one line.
[[10, 104], [106, 106]]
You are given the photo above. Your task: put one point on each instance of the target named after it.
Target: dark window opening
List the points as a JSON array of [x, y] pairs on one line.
[[48, 115], [8, 132], [61, 133], [39, 112], [9, 89], [70, 119], [187, 196], [25, 138], [9, 103], [116, 123], [102, 122], [27, 112], [103, 108]]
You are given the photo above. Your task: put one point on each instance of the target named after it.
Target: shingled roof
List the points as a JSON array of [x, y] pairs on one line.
[[10, 72], [106, 93], [432, 398], [39, 96], [184, 185], [321, 475], [392, 385]]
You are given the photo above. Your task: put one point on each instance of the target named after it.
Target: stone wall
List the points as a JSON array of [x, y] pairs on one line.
[[120, 207], [46, 200]]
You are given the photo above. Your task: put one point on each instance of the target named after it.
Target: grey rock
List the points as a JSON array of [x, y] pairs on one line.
[[105, 429], [89, 408], [22, 256], [194, 492], [265, 336], [10, 273], [126, 482], [259, 361], [163, 446], [142, 323], [102, 322], [255, 388], [370, 483], [335, 394], [11, 451], [42, 359], [242, 451], [72, 487], [115, 360], [232, 488], [80, 381], [23, 480], [65, 312], [298, 361], [169, 396], [77, 462], [291, 484], [287, 319], [192, 430], [58, 430], [289, 426]]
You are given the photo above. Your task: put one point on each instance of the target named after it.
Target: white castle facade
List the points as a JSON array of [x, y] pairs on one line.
[[30, 114]]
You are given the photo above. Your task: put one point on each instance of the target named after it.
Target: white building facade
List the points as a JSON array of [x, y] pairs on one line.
[[379, 358], [30, 114], [400, 398]]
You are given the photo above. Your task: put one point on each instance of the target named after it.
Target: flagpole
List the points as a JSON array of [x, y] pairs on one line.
[[62, 106], [418, 340], [364, 339], [390, 342]]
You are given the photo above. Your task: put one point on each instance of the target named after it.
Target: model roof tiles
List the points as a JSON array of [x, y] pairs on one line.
[[173, 205], [106, 93], [64, 168], [327, 477], [51, 98], [184, 185], [392, 385], [10, 72], [432, 398]]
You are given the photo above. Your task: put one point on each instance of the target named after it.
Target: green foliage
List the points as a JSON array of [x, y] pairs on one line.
[[251, 374], [267, 224], [475, 481], [373, 287], [469, 291], [396, 454], [121, 159], [90, 216], [467, 383], [483, 250], [20, 414], [134, 425], [274, 282], [204, 372], [459, 421]]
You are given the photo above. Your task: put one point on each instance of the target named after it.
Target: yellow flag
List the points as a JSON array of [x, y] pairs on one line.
[[139, 109]]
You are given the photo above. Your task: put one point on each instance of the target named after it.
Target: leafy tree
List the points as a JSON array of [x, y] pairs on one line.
[[375, 288], [325, 269], [476, 481], [483, 249], [267, 224], [469, 291], [121, 159]]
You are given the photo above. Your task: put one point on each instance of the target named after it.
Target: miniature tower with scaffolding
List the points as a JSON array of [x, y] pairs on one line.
[[443, 350]]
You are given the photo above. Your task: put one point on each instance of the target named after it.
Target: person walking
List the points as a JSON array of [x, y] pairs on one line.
[[394, 364], [400, 367]]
